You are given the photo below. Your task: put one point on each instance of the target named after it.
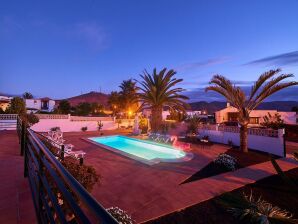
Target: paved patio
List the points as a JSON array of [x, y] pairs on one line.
[[147, 192], [16, 205]]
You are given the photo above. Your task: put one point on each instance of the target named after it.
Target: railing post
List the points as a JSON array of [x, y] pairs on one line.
[[25, 158], [62, 152], [23, 137], [39, 184]]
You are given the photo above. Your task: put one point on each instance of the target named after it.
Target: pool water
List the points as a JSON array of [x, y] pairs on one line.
[[140, 148]]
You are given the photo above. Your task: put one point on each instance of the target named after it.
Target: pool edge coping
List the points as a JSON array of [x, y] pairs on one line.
[[188, 156]]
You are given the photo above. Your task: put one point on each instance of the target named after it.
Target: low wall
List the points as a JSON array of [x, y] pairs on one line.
[[265, 140], [8, 121], [69, 123]]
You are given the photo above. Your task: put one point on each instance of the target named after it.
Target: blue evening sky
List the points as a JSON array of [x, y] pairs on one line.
[[64, 48]]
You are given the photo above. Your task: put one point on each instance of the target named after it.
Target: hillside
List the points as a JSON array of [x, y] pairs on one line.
[[92, 97], [216, 105]]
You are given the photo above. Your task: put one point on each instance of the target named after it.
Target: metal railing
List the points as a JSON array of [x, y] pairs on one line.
[[57, 196]]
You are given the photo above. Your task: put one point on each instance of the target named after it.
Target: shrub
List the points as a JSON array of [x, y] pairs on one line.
[[85, 175], [84, 128], [230, 143], [252, 210], [17, 106], [99, 125], [120, 215], [55, 128], [226, 161], [193, 123], [273, 121], [30, 119], [64, 107], [164, 128], [143, 125]]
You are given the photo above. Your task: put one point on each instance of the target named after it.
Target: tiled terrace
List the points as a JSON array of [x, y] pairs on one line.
[[16, 205], [147, 192], [144, 191]]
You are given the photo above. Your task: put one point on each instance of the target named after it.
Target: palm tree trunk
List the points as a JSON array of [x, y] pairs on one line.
[[243, 138], [156, 118]]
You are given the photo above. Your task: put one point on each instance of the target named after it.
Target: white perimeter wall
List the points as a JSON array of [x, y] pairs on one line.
[[273, 145], [66, 125]]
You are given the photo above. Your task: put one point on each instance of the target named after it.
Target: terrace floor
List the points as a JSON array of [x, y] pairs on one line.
[[16, 205], [147, 192]]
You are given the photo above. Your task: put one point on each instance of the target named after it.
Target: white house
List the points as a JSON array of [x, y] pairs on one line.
[[256, 116], [43, 104], [147, 113]]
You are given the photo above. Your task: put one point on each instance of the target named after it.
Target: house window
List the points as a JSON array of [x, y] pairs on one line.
[[233, 116], [44, 105], [254, 120], [35, 101]]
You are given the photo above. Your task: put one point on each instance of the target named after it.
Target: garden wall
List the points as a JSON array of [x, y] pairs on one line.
[[69, 123], [265, 140], [8, 121]]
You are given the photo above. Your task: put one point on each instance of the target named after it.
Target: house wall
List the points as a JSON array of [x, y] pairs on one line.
[[262, 140], [288, 117], [72, 124], [33, 103], [51, 105], [147, 113]]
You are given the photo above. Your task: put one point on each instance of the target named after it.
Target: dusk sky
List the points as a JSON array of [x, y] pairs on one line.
[[64, 48]]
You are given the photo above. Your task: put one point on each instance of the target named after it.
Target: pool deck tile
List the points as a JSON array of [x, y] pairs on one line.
[[16, 205], [147, 192]]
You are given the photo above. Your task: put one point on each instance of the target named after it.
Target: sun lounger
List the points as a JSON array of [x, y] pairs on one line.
[[77, 154]]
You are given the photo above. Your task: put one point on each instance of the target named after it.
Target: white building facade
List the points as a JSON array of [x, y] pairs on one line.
[[230, 114], [43, 104]]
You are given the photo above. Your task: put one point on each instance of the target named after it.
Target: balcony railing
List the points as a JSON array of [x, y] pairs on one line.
[[50, 182]]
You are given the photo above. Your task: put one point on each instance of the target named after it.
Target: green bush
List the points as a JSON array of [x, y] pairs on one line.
[[192, 124], [99, 125], [30, 119], [84, 128], [55, 128], [17, 106], [85, 175]]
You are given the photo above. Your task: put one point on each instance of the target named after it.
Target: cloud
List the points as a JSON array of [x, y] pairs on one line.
[[199, 64], [199, 94], [92, 33], [290, 58]]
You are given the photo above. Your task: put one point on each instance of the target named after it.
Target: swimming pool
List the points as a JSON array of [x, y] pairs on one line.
[[141, 150]]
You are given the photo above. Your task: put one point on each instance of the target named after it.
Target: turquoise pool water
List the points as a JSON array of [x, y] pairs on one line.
[[140, 148]]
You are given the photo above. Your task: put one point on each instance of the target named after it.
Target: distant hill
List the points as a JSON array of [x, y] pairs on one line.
[[92, 97], [216, 105]]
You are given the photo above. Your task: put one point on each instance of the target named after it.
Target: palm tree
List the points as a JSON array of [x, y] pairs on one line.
[[114, 102], [157, 91], [128, 95], [27, 95], [267, 84]]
